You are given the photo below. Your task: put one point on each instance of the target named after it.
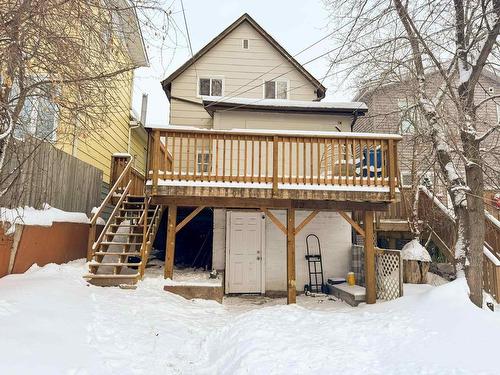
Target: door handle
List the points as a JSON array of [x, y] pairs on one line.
[[258, 258]]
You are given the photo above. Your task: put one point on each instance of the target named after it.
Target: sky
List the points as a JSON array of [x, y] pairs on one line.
[[295, 24]]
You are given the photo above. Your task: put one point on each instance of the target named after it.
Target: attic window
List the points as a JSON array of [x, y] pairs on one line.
[[210, 86], [245, 43], [276, 90]]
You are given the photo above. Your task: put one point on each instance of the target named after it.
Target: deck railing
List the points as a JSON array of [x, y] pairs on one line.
[[118, 163], [279, 160]]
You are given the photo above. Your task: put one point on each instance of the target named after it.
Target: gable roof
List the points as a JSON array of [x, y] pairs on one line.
[[167, 82]]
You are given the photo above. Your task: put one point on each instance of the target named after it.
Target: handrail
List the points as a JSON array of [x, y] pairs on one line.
[[111, 217], [111, 193]]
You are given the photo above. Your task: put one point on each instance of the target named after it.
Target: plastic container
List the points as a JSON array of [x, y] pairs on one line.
[[351, 280]]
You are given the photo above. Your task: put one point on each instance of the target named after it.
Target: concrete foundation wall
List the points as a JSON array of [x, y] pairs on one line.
[[333, 231]]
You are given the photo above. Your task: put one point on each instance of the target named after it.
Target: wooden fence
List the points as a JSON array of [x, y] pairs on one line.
[[35, 173]]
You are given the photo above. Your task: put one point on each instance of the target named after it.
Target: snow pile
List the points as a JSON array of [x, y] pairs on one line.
[[52, 322], [44, 217], [413, 250]]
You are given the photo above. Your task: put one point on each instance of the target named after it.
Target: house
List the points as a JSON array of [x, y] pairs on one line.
[[392, 110], [251, 145], [91, 135]]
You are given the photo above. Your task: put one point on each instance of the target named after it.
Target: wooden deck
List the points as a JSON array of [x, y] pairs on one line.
[[188, 162]]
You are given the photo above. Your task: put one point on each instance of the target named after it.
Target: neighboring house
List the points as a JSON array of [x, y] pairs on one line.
[[115, 130], [391, 110], [243, 79]]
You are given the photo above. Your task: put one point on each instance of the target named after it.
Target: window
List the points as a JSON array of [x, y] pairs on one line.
[[408, 117], [38, 116], [203, 162], [210, 86], [276, 90], [245, 43], [406, 178]]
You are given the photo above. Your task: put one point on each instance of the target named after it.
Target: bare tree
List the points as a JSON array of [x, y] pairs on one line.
[[453, 42], [67, 58]]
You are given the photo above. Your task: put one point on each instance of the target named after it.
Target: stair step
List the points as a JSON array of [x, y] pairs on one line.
[[120, 243], [127, 225], [110, 276], [116, 264], [128, 253], [124, 234], [127, 217], [135, 210]]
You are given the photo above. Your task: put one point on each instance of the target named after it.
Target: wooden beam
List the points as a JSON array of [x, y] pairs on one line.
[[370, 277], [306, 221], [353, 223], [290, 257], [188, 218], [232, 202], [275, 220], [170, 243]]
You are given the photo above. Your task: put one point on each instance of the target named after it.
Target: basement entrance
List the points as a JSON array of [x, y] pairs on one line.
[[193, 244]]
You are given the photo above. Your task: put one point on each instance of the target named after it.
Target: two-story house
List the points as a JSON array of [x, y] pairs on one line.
[[257, 154]]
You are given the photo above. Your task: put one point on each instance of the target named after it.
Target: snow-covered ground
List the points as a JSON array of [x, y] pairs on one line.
[[53, 322]]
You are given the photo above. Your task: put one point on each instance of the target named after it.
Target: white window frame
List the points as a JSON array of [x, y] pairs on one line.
[[31, 126], [404, 117], [276, 88], [405, 173], [243, 43], [201, 165], [498, 112], [210, 78]]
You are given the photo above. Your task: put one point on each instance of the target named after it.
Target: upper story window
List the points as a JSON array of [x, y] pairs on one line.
[[245, 44], [39, 116], [408, 116], [210, 86], [276, 90]]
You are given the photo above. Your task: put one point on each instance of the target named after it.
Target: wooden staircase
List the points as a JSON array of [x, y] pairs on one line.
[[120, 253]]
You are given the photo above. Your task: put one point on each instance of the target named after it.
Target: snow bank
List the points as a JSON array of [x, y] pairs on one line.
[[44, 217], [413, 250]]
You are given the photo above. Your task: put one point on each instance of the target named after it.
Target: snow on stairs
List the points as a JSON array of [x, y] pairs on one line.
[[119, 255]]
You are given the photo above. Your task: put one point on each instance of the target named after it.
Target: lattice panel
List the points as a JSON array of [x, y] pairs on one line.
[[389, 273]]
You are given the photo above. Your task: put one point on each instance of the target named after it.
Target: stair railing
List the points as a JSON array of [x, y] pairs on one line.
[[91, 243], [147, 231]]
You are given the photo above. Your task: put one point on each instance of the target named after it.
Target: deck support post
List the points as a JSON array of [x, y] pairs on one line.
[[170, 243], [370, 277], [290, 256]]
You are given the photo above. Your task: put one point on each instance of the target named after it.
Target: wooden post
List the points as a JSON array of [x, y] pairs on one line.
[[275, 164], [290, 256], [156, 160], [370, 277], [90, 242], [392, 169], [170, 243]]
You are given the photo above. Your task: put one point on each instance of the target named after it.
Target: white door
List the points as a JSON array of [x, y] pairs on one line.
[[244, 252]]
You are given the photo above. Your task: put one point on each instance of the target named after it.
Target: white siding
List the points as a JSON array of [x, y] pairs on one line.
[[240, 69], [333, 231]]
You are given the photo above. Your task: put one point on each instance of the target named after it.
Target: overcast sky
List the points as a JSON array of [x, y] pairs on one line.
[[295, 24]]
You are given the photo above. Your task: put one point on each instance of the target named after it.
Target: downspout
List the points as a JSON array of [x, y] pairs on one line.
[[355, 114], [133, 125]]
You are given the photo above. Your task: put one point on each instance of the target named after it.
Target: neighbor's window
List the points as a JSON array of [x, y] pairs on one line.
[[406, 178], [210, 86], [408, 117], [276, 90], [203, 162], [245, 43], [38, 116]]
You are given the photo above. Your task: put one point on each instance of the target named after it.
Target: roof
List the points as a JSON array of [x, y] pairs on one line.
[[129, 23], [213, 103], [167, 82]]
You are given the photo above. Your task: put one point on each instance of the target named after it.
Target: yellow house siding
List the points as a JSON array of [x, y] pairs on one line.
[[241, 70], [111, 134]]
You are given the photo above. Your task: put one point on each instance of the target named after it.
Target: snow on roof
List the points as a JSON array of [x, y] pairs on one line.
[[413, 250], [332, 133], [285, 103], [44, 217]]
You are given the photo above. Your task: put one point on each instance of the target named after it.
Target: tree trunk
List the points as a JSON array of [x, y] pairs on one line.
[[475, 211]]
